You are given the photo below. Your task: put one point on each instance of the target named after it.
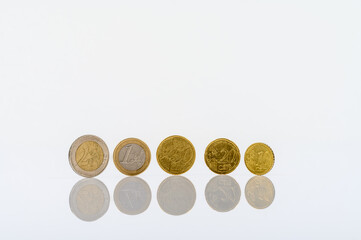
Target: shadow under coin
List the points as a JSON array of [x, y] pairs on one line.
[[132, 195], [222, 193], [260, 192], [176, 195], [89, 199]]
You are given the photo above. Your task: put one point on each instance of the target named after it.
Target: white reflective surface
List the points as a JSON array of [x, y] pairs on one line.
[[286, 73]]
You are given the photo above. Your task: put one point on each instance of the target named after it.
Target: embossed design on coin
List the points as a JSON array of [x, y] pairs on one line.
[[259, 158], [222, 193], [88, 155], [260, 192], [176, 154], [89, 199], [132, 195], [176, 195], [131, 156], [222, 156]]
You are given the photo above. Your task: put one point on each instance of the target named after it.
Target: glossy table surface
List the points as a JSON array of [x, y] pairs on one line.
[[283, 73]]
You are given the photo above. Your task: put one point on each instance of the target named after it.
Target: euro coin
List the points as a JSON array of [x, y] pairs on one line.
[[259, 158], [222, 193], [260, 192], [176, 154], [131, 156], [222, 156], [88, 156]]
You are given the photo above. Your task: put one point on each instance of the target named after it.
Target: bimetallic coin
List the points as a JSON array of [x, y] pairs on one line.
[[131, 156], [176, 195], [132, 195], [260, 192], [222, 156], [259, 158], [89, 199], [176, 155], [88, 156], [222, 193]]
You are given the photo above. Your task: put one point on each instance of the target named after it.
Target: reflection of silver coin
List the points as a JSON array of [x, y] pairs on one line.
[[222, 193], [176, 195], [260, 192], [88, 156], [132, 195], [89, 199]]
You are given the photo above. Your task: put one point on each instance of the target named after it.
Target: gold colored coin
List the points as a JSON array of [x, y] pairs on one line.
[[88, 155], [222, 156], [259, 158], [131, 156], [176, 154]]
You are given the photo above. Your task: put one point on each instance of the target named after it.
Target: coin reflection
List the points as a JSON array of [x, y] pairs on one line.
[[260, 192], [89, 199], [222, 193], [176, 195], [132, 195]]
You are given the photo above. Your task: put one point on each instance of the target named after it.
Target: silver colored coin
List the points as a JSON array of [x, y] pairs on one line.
[[92, 159], [176, 195], [132, 195], [89, 199], [222, 193], [260, 192], [132, 157]]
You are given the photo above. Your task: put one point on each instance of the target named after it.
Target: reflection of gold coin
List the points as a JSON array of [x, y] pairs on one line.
[[89, 199], [260, 192], [222, 156], [131, 156], [88, 155], [176, 154], [259, 158]]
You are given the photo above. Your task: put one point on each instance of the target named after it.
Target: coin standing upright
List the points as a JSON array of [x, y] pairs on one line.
[[259, 158], [176, 155], [222, 156], [88, 156], [131, 156]]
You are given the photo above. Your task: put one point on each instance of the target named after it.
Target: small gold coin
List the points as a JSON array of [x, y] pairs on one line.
[[176, 154], [222, 156], [259, 158], [88, 156], [131, 156]]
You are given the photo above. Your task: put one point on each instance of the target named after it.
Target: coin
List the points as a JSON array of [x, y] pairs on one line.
[[89, 199], [222, 156], [132, 195], [88, 155], [222, 193], [176, 154], [131, 156], [260, 192], [176, 195], [259, 158]]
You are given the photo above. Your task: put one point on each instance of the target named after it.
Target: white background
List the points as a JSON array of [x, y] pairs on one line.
[[286, 73]]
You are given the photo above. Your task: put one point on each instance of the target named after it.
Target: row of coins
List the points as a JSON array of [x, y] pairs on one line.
[[89, 155], [176, 195]]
